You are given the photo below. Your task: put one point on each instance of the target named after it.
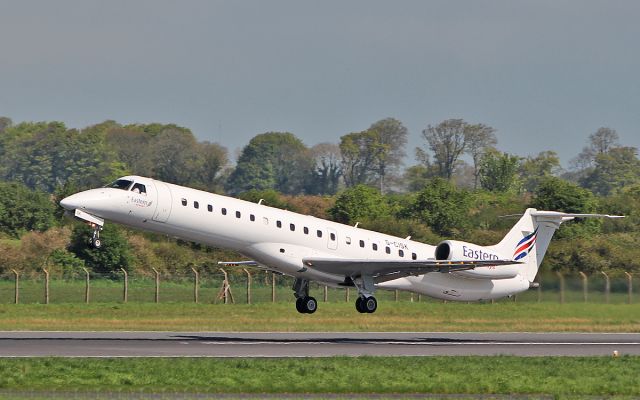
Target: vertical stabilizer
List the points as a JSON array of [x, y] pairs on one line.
[[529, 239]]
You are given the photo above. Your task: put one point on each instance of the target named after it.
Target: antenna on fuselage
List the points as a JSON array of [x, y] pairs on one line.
[[356, 225], [260, 201]]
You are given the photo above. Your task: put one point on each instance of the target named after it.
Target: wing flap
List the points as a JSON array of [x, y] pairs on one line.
[[377, 268]]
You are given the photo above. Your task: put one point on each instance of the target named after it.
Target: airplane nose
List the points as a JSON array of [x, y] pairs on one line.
[[71, 202]]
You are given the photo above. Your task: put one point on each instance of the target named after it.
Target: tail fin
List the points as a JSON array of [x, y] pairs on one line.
[[529, 238]]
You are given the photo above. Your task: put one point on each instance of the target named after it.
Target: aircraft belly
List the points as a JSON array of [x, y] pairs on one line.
[[450, 287]]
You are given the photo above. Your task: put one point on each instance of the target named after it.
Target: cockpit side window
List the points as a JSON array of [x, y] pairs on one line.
[[123, 184], [139, 188]]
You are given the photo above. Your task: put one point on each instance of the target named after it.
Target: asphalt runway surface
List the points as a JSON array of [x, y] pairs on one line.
[[272, 344]]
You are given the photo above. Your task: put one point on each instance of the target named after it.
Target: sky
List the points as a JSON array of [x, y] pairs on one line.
[[544, 74]]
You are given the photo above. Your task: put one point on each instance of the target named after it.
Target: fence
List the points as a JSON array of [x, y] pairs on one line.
[[245, 286]]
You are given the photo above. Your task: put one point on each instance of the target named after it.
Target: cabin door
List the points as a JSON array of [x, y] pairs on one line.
[[164, 202]]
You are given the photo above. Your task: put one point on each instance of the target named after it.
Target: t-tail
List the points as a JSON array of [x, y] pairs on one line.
[[529, 239]]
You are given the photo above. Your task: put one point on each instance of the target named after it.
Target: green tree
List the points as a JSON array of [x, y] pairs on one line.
[[23, 210], [273, 160], [613, 170], [479, 139], [114, 254], [326, 174], [447, 143], [443, 207], [358, 204], [555, 194], [357, 157], [535, 169], [499, 172], [388, 148]]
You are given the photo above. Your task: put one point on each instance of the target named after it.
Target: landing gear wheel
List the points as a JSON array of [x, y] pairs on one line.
[[306, 305], [359, 306], [310, 305], [300, 305], [370, 304], [97, 243]]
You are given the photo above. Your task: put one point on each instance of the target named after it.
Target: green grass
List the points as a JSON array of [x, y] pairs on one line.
[[561, 377], [391, 316]]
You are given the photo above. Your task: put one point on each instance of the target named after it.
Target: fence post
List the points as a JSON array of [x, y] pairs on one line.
[[346, 295], [46, 286], [273, 287], [629, 286], [396, 295], [196, 283], [157, 296], [607, 287], [325, 294], [225, 290], [125, 289], [561, 278], [248, 285], [585, 285], [17, 286], [86, 285]]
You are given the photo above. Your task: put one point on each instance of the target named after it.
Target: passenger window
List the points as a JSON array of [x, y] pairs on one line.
[[139, 188], [224, 211], [209, 207], [401, 253], [238, 215], [252, 217], [374, 246], [279, 224], [265, 220], [362, 243], [319, 233], [348, 240], [414, 256], [387, 249], [292, 227], [196, 204], [305, 230], [184, 202], [333, 237]]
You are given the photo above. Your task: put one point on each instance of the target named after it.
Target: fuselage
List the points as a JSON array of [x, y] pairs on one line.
[[275, 238]]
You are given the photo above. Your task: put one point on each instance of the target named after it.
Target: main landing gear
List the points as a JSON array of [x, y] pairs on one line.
[[305, 304], [365, 303]]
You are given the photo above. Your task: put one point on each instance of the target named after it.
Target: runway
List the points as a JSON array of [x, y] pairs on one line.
[[233, 344]]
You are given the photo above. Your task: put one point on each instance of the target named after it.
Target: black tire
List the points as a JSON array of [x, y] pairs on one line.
[[97, 243], [310, 305], [300, 305], [370, 304], [359, 306]]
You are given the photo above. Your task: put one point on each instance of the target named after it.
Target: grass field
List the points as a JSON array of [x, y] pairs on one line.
[[560, 377], [339, 317]]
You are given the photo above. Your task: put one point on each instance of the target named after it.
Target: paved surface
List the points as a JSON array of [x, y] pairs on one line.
[[232, 344]]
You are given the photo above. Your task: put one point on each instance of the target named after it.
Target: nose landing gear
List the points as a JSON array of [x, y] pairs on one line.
[[95, 241]]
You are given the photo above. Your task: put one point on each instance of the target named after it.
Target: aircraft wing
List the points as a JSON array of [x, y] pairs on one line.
[[394, 269]]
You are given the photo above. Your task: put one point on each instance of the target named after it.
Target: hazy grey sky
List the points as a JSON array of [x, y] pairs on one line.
[[545, 74]]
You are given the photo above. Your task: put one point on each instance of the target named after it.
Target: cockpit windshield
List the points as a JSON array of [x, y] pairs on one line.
[[123, 184]]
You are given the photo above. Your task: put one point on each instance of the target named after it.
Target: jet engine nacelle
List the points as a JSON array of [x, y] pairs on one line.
[[456, 250]]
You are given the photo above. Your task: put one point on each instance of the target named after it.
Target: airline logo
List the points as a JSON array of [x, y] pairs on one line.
[[525, 245]]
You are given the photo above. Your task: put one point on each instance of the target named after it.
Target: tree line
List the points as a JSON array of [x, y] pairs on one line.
[[458, 187]]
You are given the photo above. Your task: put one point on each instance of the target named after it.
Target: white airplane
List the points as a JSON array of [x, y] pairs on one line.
[[313, 249]]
